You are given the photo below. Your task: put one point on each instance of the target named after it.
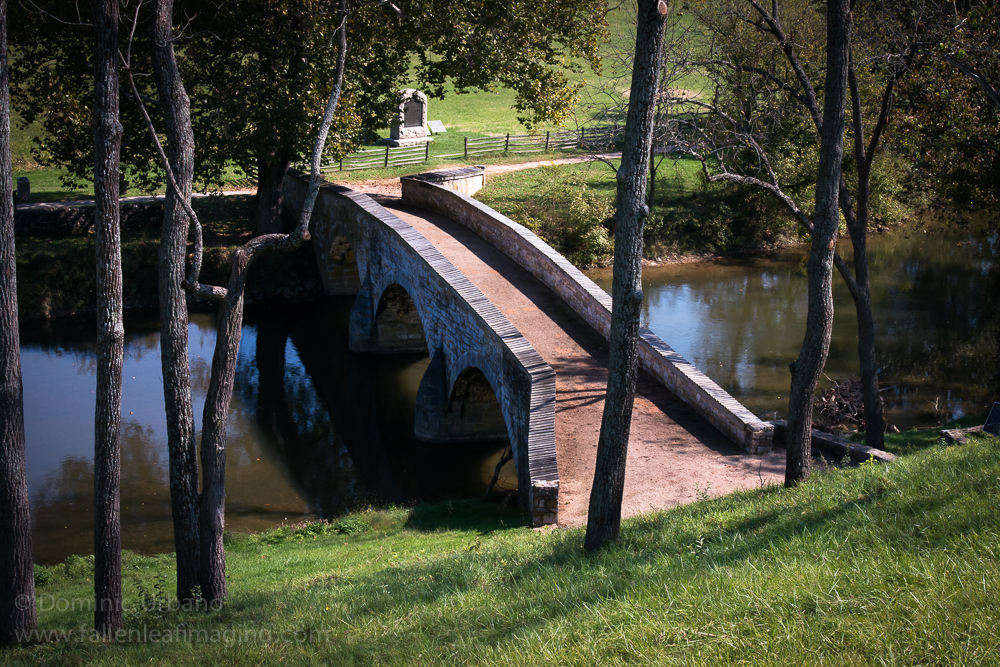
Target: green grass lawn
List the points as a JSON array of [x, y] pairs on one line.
[[879, 564], [686, 217]]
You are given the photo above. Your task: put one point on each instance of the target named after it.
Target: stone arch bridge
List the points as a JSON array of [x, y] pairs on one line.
[[484, 381]]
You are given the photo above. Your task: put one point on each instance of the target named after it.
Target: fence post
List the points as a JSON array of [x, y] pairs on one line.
[[466, 148], [547, 141], [427, 152], [387, 155], [506, 144], [341, 164]]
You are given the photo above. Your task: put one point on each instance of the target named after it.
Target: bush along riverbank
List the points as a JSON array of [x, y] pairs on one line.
[[55, 266], [875, 564]]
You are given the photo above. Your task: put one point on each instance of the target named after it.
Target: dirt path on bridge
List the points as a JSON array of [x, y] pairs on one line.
[[674, 455]]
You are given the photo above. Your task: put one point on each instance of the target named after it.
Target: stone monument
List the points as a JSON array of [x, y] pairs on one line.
[[410, 128]]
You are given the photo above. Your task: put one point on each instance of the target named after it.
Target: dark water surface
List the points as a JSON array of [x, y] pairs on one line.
[[742, 321], [313, 429]]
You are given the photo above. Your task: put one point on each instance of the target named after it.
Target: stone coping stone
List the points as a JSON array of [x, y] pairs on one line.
[[834, 446], [450, 174]]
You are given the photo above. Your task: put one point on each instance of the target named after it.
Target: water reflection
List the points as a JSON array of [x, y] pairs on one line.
[[742, 321], [313, 429]]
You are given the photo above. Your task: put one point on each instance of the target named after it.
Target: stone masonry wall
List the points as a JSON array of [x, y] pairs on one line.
[[461, 326], [594, 305]]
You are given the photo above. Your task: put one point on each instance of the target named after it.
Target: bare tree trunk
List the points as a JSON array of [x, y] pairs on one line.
[[213, 436], [651, 185], [857, 227], [271, 169], [110, 328], [173, 306], [604, 519], [819, 320], [17, 596]]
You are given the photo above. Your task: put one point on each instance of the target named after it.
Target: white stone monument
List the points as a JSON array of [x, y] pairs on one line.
[[410, 128]]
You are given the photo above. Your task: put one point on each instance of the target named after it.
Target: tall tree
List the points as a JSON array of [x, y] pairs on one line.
[[819, 318], [760, 129], [181, 445], [110, 328], [604, 518], [17, 598]]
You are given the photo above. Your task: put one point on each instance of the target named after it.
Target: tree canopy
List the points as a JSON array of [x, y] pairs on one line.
[[259, 73]]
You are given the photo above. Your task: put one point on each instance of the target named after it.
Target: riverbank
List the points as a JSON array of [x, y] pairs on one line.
[[55, 269], [887, 564]]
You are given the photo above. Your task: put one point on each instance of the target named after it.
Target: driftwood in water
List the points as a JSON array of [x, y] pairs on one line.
[[843, 405]]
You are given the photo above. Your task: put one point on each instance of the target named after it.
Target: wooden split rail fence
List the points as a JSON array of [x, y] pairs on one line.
[[597, 139]]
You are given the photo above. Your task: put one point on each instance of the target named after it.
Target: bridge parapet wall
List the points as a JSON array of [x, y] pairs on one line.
[[461, 327], [594, 305]]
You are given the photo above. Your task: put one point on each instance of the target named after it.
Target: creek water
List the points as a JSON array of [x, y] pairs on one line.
[[313, 429], [742, 321]]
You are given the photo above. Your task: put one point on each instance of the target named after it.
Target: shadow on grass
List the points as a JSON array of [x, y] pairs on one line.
[[480, 516]]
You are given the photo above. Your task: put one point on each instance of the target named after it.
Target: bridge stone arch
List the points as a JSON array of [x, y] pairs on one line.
[[461, 328], [339, 267], [482, 361], [438, 418], [386, 322]]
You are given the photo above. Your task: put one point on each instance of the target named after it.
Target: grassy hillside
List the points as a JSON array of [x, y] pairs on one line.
[[877, 564]]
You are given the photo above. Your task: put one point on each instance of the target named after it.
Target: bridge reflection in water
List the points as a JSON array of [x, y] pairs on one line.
[[344, 423]]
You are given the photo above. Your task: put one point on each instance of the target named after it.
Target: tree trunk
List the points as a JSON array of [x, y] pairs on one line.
[[819, 320], [651, 185], [857, 227], [17, 597], [271, 168], [108, 617], [604, 519], [213, 441], [858, 230], [173, 306]]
